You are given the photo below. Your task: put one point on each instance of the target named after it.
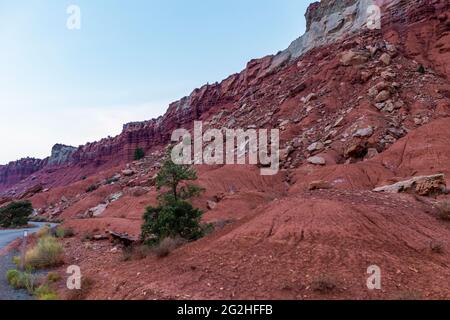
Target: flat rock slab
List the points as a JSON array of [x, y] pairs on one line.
[[423, 185]]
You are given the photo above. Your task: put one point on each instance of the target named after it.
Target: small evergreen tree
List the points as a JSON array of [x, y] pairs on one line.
[[139, 154], [171, 176], [15, 214], [174, 216], [421, 69]]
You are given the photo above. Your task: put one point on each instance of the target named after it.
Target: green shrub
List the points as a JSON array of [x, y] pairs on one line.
[[92, 188], [53, 277], [174, 216], [139, 154], [15, 214], [20, 280], [421, 69], [46, 254], [177, 218], [13, 277], [44, 292], [43, 232]]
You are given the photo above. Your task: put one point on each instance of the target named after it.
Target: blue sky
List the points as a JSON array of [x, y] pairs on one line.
[[127, 63]]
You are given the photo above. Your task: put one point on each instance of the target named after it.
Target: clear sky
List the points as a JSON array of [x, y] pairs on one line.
[[128, 61]]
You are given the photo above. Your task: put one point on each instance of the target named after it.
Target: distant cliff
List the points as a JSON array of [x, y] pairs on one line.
[[253, 96]]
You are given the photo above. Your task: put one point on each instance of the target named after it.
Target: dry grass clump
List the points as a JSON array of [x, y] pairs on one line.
[[47, 253], [323, 284], [61, 232], [21, 280], [167, 245]]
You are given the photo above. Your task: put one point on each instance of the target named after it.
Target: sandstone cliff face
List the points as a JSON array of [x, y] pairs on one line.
[[61, 154], [266, 93], [16, 171]]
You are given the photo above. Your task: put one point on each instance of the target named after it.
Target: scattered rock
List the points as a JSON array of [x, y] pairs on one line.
[[317, 160], [423, 186], [365, 132], [388, 75], [356, 150], [114, 197], [211, 205], [137, 191], [371, 153], [99, 237], [96, 211], [124, 238], [386, 59], [316, 146], [382, 96], [128, 172], [309, 97], [354, 58]]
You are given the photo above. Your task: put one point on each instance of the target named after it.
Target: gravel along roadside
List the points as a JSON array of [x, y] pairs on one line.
[[6, 291]]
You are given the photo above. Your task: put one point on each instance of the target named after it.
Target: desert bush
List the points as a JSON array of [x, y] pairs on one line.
[[421, 69], [138, 252], [323, 284], [43, 232], [444, 210], [139, 154], [38, 219], [64, 232], [92, 188], [15, 214], [47, 253], [112, 180], [21, 280], [167, 245], [44, 292], [13, 277], [176, 219], [53, 277]]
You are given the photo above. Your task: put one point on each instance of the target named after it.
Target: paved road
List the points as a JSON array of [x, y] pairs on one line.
[[8, 236]]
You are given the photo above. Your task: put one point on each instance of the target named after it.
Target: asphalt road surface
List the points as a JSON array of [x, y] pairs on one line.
[[8, 236]]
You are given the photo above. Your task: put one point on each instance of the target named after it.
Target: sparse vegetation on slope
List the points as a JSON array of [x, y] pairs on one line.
[[175, 217], [46, 254], [139, 154]]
